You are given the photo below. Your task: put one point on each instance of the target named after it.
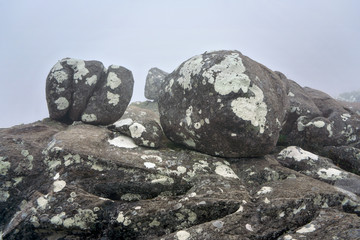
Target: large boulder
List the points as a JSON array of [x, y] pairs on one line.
[[154, 80], [78, 90], [224, 104]]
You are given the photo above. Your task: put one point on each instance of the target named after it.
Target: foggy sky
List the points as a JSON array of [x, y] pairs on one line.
[[314, 42]]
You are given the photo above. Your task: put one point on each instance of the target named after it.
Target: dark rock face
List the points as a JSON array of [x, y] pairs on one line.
[[225, 104], [84, 90], [154, 80]]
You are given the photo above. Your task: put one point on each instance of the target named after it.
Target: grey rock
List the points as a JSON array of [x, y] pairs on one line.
[[84, 90], [141, 122], [315, 120], [320, 168], [82, 182], [225, 104], [111, 99], [154, 80], [346, 157]]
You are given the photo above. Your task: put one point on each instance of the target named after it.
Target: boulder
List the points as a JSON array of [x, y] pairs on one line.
[[320, 168], [141, 122], [82, 182], [346, 157], [225, 104], [109, 103], [84, 90], [315, 120], [154, 80]]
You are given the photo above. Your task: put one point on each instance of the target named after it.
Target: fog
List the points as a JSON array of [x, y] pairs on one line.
[[315, 43]]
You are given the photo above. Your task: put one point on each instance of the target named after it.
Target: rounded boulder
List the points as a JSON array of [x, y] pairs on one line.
[[225, 104]]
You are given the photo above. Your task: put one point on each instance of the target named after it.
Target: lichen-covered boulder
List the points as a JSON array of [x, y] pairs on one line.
[[301, 106], [141, 122], [154, 80], [223, 103], [109, 103], [78, 90], [320, 168], [315, 120]]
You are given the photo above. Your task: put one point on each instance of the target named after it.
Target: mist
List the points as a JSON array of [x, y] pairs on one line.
[[315, 43]]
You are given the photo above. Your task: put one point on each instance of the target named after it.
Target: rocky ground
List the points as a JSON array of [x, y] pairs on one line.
[[88, 182]]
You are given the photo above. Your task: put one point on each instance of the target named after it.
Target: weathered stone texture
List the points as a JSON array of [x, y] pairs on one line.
[[78, 90], [225, 104]]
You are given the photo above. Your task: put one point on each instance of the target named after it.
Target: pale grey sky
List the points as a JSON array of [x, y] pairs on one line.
[[314, 42]]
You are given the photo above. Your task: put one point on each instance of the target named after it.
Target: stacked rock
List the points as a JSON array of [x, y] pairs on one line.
[[78, 90]]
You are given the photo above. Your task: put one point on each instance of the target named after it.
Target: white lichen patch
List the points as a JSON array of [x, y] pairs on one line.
[[330, 173], [329, 129], [319, 124], [79, 68], [252, 109], [149, 165], [136, 130], [224, 171], [230, 75], [62, 103], [189, 112], [181, 169], [58, 185], [301, 126], [122, 219], [190, 68], [82, 219], [88, 117], [123, 122], [249, 227], [183, 235], [113, 81], [91, 80], [298, 154], [190, 142], [122, 142], [42, 202], [4, 166], [4, 195], [113, 98], [58, 219], [345, 116], [297, 210], [308, 228], [264, 190]]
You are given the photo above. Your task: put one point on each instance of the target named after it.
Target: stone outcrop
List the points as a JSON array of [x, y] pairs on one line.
[[154, 80], [82, 182], [225, 104], [78, 90], [128, 181]]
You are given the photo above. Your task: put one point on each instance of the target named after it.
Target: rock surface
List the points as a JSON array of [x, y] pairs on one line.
[[316, 120], [85, 182], [154, 80], [78, 90], [141, 122], [225, 104]]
